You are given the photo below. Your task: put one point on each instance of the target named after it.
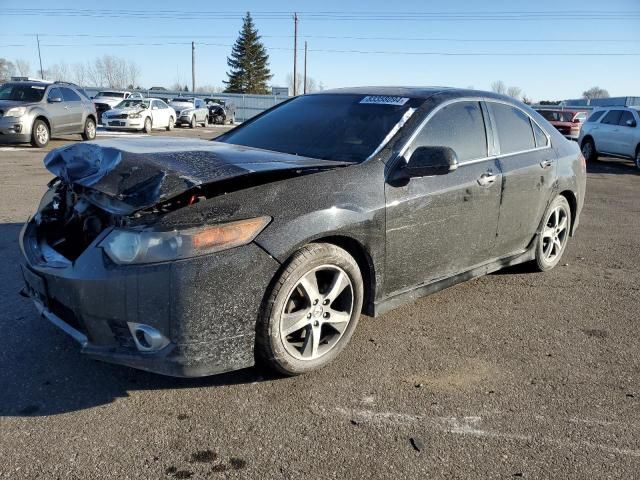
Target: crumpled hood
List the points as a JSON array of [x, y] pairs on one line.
[[135, 109], [142, 172]]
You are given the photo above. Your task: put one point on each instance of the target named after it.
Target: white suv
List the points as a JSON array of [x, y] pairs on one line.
[[612, 131]]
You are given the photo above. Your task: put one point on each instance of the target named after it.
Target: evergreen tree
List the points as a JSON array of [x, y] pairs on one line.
[[249, 62]]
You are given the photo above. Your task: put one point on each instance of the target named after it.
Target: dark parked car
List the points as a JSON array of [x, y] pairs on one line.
[[221, 112], [187, 257]]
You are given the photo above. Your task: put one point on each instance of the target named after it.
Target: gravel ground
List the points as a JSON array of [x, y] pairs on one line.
[[516, 374]]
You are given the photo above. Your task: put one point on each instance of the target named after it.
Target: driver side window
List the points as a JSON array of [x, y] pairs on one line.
[[459, 126]]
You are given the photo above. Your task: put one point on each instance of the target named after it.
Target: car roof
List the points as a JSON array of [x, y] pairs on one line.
[[414, 92]]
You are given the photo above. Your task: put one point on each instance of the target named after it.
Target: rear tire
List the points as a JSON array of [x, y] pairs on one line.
[[589, 151], [40, 134], [638, 157], [552, 240], [89, 132], [311, 311], [147, 125], [206, 121]]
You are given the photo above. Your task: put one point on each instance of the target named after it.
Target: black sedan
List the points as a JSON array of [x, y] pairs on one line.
[[188, 257]]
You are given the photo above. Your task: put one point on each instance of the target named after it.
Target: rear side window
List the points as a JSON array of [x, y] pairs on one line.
[[595, 116], [54, 93], [613, 117], [459, 126], [624, 118], [69, 95], [540, 136], [514, 128]]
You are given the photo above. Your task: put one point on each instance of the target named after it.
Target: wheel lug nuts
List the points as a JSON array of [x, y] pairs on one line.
[[315, 302], [308, 315], [326, 315], [326, 302]]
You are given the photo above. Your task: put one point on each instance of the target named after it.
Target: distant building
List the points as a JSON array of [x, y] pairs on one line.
[[280, 91]]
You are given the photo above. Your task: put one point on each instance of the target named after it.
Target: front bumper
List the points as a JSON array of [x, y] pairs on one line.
[[206, 306], [123, 124], [15, 130], [184, 119]]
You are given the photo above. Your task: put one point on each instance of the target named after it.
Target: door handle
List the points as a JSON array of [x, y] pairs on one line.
[[486, 179], [546, 163]]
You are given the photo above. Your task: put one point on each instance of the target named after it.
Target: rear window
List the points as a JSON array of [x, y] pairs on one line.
[[595, 116], [342, 127], [613, 117], [540, 136], [624, 118], [514, 128]]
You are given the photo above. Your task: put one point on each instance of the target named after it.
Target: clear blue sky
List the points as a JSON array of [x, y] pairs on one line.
[[539, 77]]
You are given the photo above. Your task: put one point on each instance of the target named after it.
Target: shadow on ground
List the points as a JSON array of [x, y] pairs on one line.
[[41, 369]]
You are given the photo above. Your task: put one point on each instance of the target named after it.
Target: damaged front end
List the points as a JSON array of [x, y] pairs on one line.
[[173, 300]]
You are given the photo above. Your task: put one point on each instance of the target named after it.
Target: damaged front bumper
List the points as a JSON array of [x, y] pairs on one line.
[[206, 307]]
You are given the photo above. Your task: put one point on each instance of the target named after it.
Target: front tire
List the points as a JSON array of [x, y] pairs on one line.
[[40, 134], [311, 311], [552, 240], [171, 123], [147, 125], [89, 132], [192, 124], [589, 151]]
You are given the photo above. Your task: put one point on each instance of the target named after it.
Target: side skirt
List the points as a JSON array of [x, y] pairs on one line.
[[389, 303]]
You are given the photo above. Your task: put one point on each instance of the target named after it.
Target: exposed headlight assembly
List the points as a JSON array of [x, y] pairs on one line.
[[127, 247], [15, 112]]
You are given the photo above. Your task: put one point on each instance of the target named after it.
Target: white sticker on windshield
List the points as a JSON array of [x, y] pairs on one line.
[[384, 100]]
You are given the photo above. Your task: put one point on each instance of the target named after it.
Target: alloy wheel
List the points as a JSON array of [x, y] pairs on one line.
[[555, 233], [42, 133], [91, 130], [317, 312], [587, 150]]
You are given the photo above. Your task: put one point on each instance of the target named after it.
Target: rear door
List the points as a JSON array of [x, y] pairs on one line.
[[57, 111], [528, 165], [74, 110], [441, 225], [608, 128], [624, 138]]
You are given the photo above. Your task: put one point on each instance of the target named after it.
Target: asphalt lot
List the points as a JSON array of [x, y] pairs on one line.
[[516, 374]]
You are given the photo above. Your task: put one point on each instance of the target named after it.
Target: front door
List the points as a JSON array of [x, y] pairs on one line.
[[624, 137], [57, 112], [606, 134], [74, 110], [446, 224], [528, 165]]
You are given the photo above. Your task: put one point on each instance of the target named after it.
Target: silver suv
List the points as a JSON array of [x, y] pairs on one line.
[[33, 111], [612, 131]]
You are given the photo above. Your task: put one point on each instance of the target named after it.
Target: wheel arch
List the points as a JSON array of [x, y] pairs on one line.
[[587, 137], [367, 268], [44, 119], [573, 206]]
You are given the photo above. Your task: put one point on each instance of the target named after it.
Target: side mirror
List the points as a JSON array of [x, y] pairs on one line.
[[631, 123], [428, 161], [55, 99]]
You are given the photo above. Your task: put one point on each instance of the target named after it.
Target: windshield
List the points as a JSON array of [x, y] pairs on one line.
[[20, 92], [557, 116], [110, 94], [133, 102], [182, 100], [326, 126]]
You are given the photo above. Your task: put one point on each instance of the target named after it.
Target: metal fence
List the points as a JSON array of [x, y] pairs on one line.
[[247, 106]]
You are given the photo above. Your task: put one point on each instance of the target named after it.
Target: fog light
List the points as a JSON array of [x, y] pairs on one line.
[[146, 338], [17, 128]]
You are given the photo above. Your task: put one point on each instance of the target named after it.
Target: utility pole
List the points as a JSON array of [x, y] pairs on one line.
[[40, 57], [295, 53], [304, 88], [193, 67]]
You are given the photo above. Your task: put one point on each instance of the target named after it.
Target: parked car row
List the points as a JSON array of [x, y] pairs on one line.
[[611, 131]]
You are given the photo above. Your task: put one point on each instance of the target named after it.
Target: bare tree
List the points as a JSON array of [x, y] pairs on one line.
[[526, 99], [80, 73], [23, 67], [595, 92], [7, 69], [312, 84], [209, 89], [499, 87], [514, 92], [58, 72]]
